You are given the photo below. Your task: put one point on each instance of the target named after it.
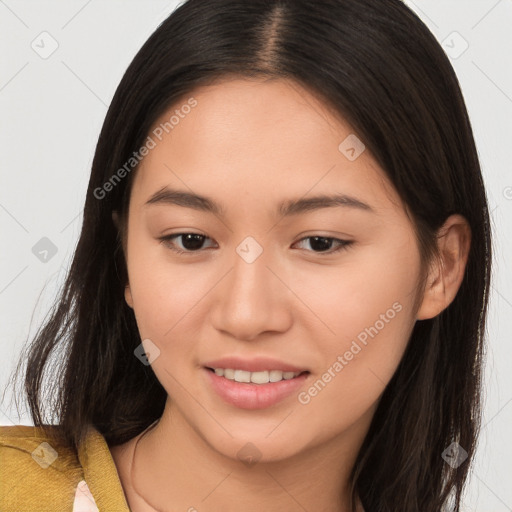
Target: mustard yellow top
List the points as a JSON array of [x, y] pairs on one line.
[[39, 475]]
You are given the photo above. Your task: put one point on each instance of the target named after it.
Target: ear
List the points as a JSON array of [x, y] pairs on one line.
[[128, 296], [127, 292], [446, 274]]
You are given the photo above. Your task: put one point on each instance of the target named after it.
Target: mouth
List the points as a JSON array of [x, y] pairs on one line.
[[259, 378], [254, 390]]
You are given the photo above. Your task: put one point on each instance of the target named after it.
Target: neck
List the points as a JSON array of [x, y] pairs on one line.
[[174, 468]]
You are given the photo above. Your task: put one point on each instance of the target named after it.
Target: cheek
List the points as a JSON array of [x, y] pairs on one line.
[[367, 306], [166, 296], [367, 283]]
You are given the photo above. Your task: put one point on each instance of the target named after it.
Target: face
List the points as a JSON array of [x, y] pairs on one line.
[[262, 278]]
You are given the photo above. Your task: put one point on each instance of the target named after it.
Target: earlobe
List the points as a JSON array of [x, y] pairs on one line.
[[127, 290], [446, 274], [128, 296]]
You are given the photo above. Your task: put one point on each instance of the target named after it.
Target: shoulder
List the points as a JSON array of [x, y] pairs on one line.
[[36, 472], [39, 473]]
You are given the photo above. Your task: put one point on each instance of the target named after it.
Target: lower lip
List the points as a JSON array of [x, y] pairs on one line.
[[254, 396]]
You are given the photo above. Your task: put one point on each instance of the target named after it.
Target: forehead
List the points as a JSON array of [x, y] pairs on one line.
[[271, 139]]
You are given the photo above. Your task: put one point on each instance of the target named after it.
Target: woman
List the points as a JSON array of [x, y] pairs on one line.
[[280, 290]]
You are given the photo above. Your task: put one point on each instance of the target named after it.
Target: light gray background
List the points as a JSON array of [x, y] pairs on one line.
[[51, 113]]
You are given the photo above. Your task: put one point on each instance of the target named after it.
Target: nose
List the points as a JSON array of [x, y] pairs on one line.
[[253, 298]]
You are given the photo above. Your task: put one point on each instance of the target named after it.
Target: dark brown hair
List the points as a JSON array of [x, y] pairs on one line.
[[377, 65]]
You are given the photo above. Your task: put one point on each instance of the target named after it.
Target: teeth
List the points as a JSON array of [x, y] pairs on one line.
[[229, 374], [275, 375], [242, 376], [263, 377], [259, 377]]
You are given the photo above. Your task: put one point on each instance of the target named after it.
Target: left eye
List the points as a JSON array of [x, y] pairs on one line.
[[322, 241], [192, 242]]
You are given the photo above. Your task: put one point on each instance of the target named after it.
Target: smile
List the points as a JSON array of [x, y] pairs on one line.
[[261, 377], [253, 390]]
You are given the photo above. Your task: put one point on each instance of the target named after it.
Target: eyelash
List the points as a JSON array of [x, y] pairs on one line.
[[167, 241]]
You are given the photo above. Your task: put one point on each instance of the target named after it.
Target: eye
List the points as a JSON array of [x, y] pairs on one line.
[[322, 243], [192, 242]]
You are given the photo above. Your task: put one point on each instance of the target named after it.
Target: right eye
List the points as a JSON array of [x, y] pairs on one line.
[[191, 242]]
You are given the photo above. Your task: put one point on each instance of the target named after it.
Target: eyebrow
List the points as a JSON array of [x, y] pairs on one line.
[[286, 208]]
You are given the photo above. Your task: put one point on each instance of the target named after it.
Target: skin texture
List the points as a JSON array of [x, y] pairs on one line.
[[250, 145]]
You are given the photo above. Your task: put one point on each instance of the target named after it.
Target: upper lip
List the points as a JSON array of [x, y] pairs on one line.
[[255, 364]]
